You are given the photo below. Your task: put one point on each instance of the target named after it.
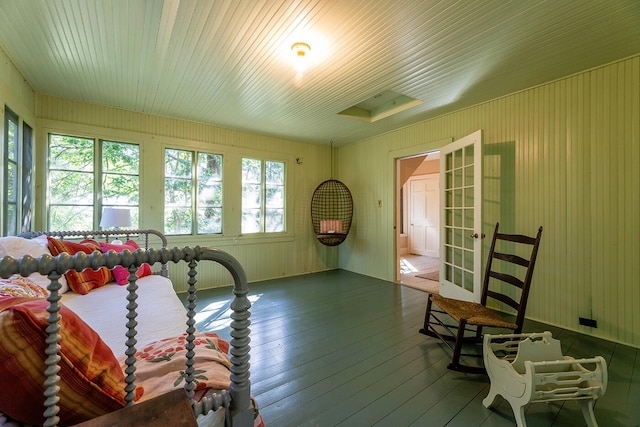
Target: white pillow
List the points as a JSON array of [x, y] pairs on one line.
[[17, 247]]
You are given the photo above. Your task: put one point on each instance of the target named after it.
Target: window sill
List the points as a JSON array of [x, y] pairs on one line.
[[217, 240]]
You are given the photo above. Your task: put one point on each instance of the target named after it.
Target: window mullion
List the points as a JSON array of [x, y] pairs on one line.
[[194, 192], [25, 186], [98, 178], [263, 199]]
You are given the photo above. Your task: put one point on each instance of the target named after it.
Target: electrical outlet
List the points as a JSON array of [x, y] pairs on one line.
[[588, 322]]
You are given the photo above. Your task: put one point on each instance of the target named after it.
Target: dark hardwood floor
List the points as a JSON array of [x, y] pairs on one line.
[[342, 349]]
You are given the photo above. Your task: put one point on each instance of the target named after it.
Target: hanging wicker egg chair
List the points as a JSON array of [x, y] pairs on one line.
[[331, 212]]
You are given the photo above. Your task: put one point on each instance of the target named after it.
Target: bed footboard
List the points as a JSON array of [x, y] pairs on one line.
[[236, 400]]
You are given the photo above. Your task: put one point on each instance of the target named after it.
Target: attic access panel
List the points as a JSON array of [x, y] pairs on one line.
[[379, 106]]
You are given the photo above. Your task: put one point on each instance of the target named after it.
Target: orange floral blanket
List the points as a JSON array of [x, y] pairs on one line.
[[160, 365]]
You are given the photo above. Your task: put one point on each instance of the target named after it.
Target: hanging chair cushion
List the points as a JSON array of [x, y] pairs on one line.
[[329, 226]]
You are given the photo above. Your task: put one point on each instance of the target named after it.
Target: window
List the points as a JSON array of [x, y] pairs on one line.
[[86, 175], [121, 177], [263, 195], [16, 176], [184, 212], [27, 176], [11, 173]]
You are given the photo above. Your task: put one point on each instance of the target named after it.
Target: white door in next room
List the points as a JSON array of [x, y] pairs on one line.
[[424, 208]]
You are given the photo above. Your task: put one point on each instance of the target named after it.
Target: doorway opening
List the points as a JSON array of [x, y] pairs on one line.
[[418, 224]]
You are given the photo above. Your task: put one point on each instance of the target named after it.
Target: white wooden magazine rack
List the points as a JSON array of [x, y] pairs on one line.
[[528, 368]]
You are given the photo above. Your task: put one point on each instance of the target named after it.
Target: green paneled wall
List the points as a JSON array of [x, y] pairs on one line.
[[263, 258], [15, 92], [563, 155]]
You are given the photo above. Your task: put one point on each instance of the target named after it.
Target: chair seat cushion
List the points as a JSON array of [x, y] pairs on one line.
[[473, 313]]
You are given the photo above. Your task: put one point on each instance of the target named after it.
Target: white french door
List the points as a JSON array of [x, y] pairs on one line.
[[461, 218]]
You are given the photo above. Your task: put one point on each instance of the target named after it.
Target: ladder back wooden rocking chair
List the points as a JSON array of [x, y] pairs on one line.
[[509, 270]]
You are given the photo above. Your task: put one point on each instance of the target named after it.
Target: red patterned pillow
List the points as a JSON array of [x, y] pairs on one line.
[[120, 273], [81, 282], [91, 379]]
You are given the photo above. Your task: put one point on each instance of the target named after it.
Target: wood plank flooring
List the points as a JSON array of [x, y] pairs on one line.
[[342, 349], [413, 266]]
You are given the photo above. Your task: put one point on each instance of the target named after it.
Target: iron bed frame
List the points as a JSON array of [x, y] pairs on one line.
[[236, 400]]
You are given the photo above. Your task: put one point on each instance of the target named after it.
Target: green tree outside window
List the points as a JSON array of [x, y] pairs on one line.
[[188, 173], [86, 175], [263, 196]]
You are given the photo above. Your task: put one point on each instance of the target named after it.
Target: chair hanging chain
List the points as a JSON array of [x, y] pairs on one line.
[[331, 156]]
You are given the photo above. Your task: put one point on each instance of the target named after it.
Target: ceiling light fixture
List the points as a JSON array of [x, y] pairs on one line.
[[300, 51]]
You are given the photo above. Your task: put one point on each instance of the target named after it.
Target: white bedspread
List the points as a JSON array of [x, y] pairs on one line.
[[161, 314]]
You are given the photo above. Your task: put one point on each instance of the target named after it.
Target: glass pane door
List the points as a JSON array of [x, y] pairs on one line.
[[460, 225]]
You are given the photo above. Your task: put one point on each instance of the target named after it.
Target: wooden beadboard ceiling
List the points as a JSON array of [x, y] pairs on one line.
[[228, 62]]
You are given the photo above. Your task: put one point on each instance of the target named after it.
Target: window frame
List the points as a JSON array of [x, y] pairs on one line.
[[195, 180], [151, 172], [23, 185], [11, 118], [98, 177], [28, 170], [263, 208], [232, 201]]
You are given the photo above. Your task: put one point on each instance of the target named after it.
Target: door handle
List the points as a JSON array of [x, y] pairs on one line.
[[476, 235]]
